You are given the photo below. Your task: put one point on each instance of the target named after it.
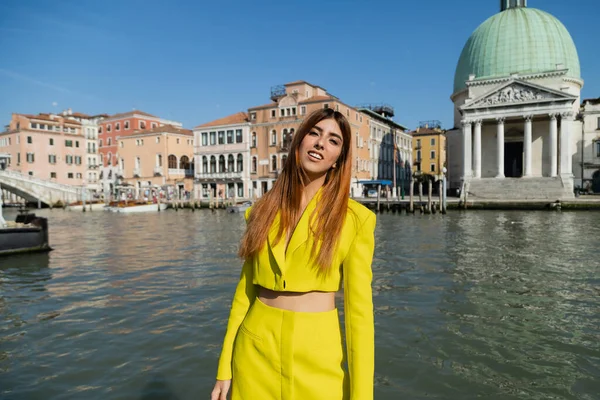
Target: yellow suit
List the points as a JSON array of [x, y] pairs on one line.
[[293, 271]]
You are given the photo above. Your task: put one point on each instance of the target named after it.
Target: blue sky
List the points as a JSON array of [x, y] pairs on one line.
[[196, 61]]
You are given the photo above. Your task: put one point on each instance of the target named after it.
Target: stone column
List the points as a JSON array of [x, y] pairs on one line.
[[553, 145], [566, 168], [527, 146], [500, 147], [467, 164], [477, 150]]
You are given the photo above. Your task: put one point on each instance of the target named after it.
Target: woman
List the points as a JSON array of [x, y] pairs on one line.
[[303, 238]]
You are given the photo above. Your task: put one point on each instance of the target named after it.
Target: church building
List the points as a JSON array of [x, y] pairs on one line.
[[516, 96]]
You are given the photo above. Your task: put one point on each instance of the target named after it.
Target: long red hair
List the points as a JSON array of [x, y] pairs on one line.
[[284, 198]]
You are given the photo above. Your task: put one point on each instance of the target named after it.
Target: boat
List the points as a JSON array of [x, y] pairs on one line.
[[133, 207], [239, 207], [91, 206], [27, 234]]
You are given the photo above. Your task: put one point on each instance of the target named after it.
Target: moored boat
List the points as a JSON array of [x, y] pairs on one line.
[[239, 207], [133, 207], [28, 233]]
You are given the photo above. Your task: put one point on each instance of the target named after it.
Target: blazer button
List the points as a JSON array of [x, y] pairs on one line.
[[284, 283]]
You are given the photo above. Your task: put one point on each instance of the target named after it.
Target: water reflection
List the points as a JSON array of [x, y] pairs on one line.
[[501, 305]]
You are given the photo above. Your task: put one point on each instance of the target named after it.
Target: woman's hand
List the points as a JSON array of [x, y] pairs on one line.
[[220, 391]]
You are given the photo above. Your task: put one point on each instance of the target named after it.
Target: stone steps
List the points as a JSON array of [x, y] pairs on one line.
[[520, 189]]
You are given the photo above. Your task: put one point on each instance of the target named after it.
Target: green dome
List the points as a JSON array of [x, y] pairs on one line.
[[518, 40]]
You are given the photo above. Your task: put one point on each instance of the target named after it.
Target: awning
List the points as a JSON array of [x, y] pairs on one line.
[[381, 182]]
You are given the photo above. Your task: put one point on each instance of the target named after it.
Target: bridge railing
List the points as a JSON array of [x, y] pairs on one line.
[[41, 182]]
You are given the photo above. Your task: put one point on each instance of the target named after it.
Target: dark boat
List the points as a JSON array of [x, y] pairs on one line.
[[29, 233]]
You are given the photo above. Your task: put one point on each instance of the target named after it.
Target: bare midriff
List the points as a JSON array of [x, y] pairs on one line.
[[296, 301]]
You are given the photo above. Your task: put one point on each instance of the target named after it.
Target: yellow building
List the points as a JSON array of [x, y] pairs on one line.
[[429, 149]]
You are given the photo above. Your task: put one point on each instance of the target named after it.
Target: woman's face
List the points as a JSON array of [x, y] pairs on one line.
[[321, 148]]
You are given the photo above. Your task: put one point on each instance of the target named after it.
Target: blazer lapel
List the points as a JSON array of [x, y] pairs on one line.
[[302, 231], [278, 250]]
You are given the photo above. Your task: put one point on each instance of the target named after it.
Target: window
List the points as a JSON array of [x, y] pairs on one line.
[[77, 143], [78, 160], [418, 143], [68, 143], [52, 159], [598, 148], [118, 126], [253, 144], [18, 158], [108, 141], [282, 112], [433, 141], [142, 125], [30, 173], [302, 110], [238, 136], [70, 175], [157, 139], [153, 125], [29, 139], [204, 139], [254, 167], [51, 142], [213, 138], [273, 113], [52, 175], [30, 157], [273, 163], [126, 125], [419, 156], [33, 125], [432, 154], [326, 105], [99, 129], [69, 159], [240, 163], [252, 116], [432, 168], [78, 175], [273, 137], [229, 137], [108, 128], [177, 140], [172, 161], [100, 143], [159, 160], [121, 144]]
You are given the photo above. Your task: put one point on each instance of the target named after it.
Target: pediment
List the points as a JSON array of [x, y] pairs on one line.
[[516, 93], [288, 101]]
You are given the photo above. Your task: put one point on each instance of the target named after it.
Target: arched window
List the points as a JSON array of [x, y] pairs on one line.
[[240, 163], [273, 163], [172, 161], [184, 162], [284, 137], [109, 158], [283, 161], [213, 164], [204, 165], [254, 166], [221, 163], [230, 163], [253, 144], [273, 137]]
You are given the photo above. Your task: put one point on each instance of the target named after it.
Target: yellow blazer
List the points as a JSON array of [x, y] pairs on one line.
[[293, 271]]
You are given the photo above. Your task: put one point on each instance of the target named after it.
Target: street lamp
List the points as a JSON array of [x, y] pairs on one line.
[[444, 171]]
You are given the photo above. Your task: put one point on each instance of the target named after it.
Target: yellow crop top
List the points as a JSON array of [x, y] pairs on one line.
[[273, 269]]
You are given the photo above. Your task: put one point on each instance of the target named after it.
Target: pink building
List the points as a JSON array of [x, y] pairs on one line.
[[46, 146]]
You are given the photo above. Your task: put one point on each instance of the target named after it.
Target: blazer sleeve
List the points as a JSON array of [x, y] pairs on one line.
[[244, 296], [358, 311]]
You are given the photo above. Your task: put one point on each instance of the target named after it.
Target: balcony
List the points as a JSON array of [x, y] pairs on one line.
[[219, 175], [285, 146], [417, 161], [158, 171]]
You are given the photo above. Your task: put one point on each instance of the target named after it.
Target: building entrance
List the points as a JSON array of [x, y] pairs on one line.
[[513, 159]]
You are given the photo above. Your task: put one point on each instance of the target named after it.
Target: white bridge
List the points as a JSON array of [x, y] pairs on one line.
[[37, 190]]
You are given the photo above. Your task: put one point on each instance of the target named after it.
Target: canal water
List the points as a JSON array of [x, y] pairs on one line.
[[490, 305]]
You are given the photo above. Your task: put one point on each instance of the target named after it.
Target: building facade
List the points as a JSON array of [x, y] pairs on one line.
[[222, 157], [111, 129], [429, 150], [156, 159], [389, 147], [587, 164], [515, 99], [273, 125], [46, 146]]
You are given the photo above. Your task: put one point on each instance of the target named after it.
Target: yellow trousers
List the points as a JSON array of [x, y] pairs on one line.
[[286, 355]]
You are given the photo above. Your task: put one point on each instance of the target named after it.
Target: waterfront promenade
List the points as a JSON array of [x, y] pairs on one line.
[[488, 304]]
